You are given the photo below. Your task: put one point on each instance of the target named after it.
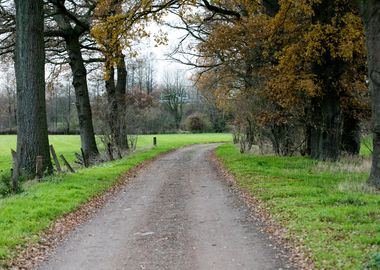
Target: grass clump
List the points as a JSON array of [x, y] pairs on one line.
[[5, 184], [330, 210], [374, 263]]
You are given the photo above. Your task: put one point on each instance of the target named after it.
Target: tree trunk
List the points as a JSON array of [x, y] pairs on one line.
[[121, 88], [112, 116], [332, 124], [32, 135], [250, 133], [177, 119], [308, 132], [116, 105], [82, 102], [68, 112], [282, 139], [371, 16], [325, 133], [350, 135]]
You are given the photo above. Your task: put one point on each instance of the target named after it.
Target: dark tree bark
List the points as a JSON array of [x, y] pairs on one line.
[[116, 95], [331, 129], [325, 131], [350, 135], [82, 101], [32, 135], [112, 102], [282, 139], [121, 88], [371, 15]]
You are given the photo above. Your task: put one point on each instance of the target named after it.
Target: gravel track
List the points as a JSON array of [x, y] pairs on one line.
[[176, 214]]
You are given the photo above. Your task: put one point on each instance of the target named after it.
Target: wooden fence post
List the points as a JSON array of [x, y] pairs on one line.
[[55, 158], [67, 164], [39, 167], [15, 171], [109, 150], [85, 161], [119, 153]]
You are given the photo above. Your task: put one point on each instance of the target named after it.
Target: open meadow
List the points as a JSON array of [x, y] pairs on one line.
[[69, 144]]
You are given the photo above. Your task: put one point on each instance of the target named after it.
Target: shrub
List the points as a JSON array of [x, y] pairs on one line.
[[6, 187], [197, 122], [5, 184]]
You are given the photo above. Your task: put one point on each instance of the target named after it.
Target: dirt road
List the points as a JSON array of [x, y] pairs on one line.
[[175, 214]]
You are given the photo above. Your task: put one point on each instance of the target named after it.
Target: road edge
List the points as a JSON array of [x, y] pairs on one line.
[[33, 254], [298, 257]]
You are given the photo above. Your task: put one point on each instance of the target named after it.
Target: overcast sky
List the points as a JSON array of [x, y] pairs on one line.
[[163, 63], [147, 46]]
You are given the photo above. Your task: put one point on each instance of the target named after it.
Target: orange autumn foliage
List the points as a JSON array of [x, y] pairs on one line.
[[278, 56]]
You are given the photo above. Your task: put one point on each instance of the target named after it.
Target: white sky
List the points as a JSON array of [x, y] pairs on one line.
[[163, 63]]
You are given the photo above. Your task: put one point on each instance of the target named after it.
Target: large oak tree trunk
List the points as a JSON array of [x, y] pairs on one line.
[[371, 16], [350, 135], [332, 125], [325, 132], [32, 133], [82, 102]]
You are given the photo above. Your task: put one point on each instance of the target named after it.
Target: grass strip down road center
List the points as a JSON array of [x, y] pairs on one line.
[[24, 216], [324, 206]]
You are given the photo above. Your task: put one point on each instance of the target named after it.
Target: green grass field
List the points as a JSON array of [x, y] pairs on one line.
[[69, 144], [325, 206], [24, 216], [64, 144], [366, 147]]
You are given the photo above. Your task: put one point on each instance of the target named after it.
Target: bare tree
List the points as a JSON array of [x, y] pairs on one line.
[[174, 95], [141, 74], [71, 22], [11, 103]]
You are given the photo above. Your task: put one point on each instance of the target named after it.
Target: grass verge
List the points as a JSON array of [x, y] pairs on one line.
[[24, 216], [326, 207]]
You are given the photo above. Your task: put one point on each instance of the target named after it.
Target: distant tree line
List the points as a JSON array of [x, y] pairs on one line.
[[152, 107]]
